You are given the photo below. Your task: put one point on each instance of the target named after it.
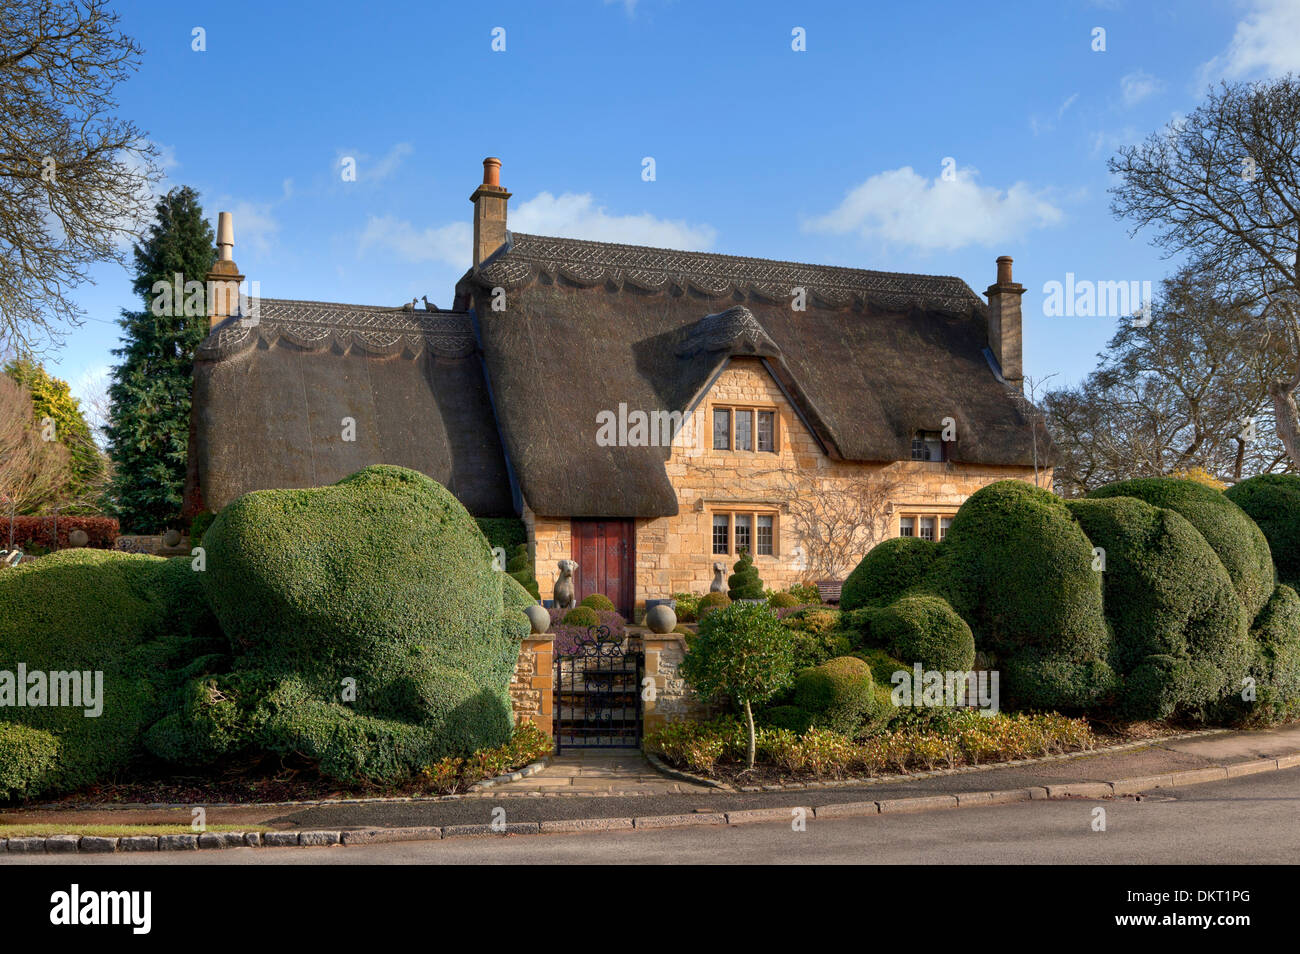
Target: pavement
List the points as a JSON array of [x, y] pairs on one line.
[[1248, 820], [597, 786]]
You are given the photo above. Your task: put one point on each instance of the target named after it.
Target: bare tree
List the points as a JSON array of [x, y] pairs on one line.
[[33, 471], [75, 180], [837, 519], [1222, 185]]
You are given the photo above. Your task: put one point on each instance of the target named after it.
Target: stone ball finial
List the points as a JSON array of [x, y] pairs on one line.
[[538, 617], [78, 538], [661, 619]]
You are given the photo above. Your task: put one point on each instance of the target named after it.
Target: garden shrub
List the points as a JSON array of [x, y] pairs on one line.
[[813, 649], [712, 601], [686, 607], [838, 694], [504, 532], [744, 583], [131, 617], [806, 593], [520, 568], [1236, 540], [788, 717], [599, 602], [783, 601], [1166, 595], [1273, 502], [818, 620], [584, 616], [925, 629], [28, 758], [39, 532], [889, 569], [199, 525], [1277, 665], [1018, 569], [384, 580]]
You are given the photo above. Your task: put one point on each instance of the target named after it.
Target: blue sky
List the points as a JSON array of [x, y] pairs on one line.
[[833, 155]]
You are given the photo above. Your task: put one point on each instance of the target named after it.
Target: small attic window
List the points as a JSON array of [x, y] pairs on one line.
[[928, 445]]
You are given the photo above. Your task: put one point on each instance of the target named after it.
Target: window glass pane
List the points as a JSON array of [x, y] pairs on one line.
[[721, 429], [933, 447], [918, 448], [907, 526], [927, 528], [721, 536], [764, 544], [767, 430], [745, 430], [944, 524], [744, 523]]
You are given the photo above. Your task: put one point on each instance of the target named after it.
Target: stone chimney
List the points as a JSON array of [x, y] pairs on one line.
[[489, 212], [224, 278], [1004, 322]]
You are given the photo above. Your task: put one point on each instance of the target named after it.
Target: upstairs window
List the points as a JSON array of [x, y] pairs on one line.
[[767, 431], [721, 429], [745, 430], [928, 445]]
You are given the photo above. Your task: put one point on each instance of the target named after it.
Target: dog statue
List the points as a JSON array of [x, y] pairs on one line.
[[566, 597], [717, 586]]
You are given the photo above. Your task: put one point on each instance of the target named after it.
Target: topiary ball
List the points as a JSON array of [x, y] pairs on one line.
[[711, 601], [927, 630], [783, 601], [887, 571], [599, 602], [839, 694], [583, 616]]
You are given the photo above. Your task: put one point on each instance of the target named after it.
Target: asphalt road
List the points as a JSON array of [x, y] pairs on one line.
[[1250, 820]]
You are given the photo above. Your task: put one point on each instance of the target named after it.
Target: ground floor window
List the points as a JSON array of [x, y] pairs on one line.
[[750, 530], [927, 526]]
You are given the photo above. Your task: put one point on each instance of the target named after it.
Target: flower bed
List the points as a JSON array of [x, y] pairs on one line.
[[717, 749]]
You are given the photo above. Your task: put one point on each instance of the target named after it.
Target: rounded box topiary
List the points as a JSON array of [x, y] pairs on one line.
[[1277, 665], [1236, 540], [581, 615], [599, 602], [1167, 595], [838, 694], [783, 601], [793, 718], [711, 601], [888, 570], [925, 629], [381, 585], [1273, 502]]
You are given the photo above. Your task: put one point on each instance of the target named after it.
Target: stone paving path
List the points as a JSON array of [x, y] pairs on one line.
[[596, 772]]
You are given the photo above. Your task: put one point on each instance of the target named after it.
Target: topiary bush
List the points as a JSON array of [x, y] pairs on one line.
[[1167, 595], [1273, 502], [1277, 665], [927, 630], [792, 718], [1236, 540], [744, 583], [839, 694], [783, 601], [382, 636], [130, 617], [887, 571], [599, 602], [28, 759], [711, 601], [581, 616], [1018, 569], [520, 568]]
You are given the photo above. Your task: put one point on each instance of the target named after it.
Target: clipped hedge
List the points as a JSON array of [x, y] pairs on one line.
[[28, 759], [599, 602], [838, 694], [504, 532], [1277, 666], [927, 630], [1236, 540], [1167, 595], [1273, 502], [128, 616], [381, 583], [890, 569], [711, 601], [29, 532]]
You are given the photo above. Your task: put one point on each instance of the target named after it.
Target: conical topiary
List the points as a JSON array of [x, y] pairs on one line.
[[744, 584]]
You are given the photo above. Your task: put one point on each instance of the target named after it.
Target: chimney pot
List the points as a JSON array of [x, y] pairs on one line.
[[225, 237], [1004, 269], [492, 171]]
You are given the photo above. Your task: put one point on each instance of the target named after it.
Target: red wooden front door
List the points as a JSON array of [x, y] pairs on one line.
[[605, 551]]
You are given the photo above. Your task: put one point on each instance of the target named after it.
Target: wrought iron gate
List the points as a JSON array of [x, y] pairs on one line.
[[597, 693]]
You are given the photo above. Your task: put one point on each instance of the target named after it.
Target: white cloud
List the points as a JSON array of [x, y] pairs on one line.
[[1139, 85], [1265, 43], [901, 207], [451, 244], [1066, 105], [370, 169], [255, 226], [567, 216]]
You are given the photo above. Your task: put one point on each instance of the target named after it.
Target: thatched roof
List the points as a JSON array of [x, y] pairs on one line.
[[270, 398], [875, 357]]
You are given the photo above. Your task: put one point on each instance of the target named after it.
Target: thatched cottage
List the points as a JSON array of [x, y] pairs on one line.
[[647, 412]]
